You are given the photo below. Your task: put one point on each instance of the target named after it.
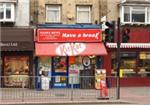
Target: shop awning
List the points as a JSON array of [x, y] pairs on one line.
[[129, 45], [69, 49]]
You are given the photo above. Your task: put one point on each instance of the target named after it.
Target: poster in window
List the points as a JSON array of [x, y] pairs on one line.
[[60, 64]]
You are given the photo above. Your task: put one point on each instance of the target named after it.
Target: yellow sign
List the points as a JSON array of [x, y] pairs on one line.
[[142, 56], [121, 73]]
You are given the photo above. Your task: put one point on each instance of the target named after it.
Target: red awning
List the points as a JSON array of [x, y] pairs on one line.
[[69, 49]]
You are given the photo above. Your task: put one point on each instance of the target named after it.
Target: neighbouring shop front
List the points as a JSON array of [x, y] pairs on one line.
[[134, 63], [65, 55], [17, 57]]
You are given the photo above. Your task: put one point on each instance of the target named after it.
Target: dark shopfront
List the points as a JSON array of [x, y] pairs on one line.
[[134, 63], [17, 57], [61, 54]]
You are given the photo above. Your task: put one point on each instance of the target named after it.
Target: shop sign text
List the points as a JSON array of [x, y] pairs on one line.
[[9, 44], [70, 49], [69, 35]]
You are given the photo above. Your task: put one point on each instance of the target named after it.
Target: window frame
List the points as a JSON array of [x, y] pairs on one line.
[[132, 8], [59, 13], [148, 16], [89, 14], [12, 14]]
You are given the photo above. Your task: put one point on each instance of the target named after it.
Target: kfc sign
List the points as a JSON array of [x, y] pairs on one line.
[[69, 35]]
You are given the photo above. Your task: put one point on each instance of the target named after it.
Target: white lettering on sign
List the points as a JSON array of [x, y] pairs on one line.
[[49, 33], [68, 35], [70, 49], [91, 35], [84, 35], [12, 44]]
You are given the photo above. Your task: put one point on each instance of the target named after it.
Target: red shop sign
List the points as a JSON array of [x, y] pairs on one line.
[[69, 35]]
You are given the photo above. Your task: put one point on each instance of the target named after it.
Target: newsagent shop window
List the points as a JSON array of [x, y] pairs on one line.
[[144, 63], [60, 64], [16, 69], [44, 65]]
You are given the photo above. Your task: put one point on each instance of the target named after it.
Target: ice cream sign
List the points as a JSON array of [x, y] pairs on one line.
[[70, 49], [69, 35]]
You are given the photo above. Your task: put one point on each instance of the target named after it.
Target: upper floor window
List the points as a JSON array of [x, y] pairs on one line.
[[148, 15], [6, 12], [53, 13], [135, 14], [83, 14]]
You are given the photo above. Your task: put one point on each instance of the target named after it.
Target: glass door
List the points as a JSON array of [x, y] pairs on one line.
[[60, 72]]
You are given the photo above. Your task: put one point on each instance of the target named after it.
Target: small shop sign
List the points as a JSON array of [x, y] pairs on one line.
[[69, 35], [19, 46], [8, 44]]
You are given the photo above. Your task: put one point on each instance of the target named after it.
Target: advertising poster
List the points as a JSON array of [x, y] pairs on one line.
[[100, 75], [73, 74]]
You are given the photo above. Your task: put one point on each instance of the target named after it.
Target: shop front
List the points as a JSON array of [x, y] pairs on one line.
[[17, 57], [134, 63], [67, 54]]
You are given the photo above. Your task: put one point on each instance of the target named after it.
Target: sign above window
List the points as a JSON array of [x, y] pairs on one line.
[[69, 35]]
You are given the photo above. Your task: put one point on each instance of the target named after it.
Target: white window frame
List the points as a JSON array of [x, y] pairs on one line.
[[148, 10], [12, 17], [89, 10], [48, 8], [131, 10]]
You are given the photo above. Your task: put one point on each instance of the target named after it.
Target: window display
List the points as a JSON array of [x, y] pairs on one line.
[[128, 67], [45, 66], [144, 63], [133, 64], [128, 64], [74, 69], [60, 64], [16, 70]]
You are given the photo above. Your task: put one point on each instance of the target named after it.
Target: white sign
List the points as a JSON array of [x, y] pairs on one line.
[[86, 61]]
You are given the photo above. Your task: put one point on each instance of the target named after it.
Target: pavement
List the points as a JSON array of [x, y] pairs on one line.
[[128, 95], [138, 95]]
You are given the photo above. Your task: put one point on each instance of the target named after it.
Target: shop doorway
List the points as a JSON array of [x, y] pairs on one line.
[[60, 72]]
